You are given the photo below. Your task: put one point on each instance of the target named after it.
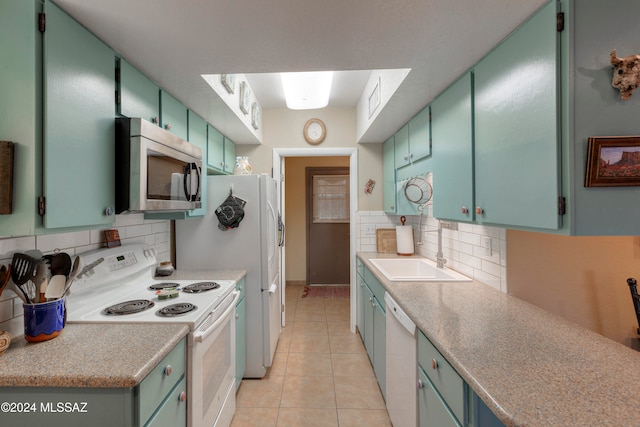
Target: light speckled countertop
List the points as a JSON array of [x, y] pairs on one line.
[[530, 367], [90, 355]]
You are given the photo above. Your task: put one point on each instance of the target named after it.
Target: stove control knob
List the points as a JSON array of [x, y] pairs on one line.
[[168, 370]]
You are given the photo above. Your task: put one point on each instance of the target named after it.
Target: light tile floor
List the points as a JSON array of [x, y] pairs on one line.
[[321, 375]]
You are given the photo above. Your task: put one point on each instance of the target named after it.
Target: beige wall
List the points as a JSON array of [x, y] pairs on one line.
[[582, 279], [296, 212], [282, 128]]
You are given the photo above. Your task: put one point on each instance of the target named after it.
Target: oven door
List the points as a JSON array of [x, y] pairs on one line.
[[211, 372]]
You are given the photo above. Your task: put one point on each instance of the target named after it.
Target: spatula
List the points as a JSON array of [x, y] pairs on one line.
[[23, 269]]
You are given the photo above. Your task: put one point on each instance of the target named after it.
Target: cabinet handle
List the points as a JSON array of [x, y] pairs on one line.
[[411, 155], [167, 126], [420, 385], [434, 364], [392, 207], [155, 120], [406, 158], [108, 211], [465, 210], [183, 396], [168, 370], [479, 210]]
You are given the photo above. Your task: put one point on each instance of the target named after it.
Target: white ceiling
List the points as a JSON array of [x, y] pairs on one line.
[[175, 41]]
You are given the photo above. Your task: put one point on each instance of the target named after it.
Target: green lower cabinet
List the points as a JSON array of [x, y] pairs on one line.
[[173, 411], [159, 400], [372, 322], [380, 345], [432, 412]]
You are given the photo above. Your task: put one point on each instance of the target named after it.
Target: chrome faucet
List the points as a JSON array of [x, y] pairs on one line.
[[440, 259]]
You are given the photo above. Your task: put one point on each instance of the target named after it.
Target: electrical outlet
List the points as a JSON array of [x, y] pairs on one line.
[[370, 230]]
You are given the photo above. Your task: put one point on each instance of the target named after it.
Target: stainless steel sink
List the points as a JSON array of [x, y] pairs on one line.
[[416, 270]]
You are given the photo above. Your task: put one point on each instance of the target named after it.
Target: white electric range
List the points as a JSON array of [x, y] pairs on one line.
[[118, 285]]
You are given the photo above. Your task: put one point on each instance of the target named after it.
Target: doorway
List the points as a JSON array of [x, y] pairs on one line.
[[327, 223], [279, 156]]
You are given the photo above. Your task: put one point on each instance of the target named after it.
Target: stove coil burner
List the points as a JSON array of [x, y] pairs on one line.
[[200, 287], [128, 307], [177, 309], [163, 285]]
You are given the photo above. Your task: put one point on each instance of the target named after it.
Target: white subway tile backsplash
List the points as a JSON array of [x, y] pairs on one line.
[[465, 249]]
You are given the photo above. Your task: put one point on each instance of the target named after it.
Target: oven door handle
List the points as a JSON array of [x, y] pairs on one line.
[[201, 335]]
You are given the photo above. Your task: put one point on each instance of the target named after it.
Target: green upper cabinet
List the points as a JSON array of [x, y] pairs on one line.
[[420, 135], [517, 149], [452, 133], [401, 147], [79, 125], [173, 115], [138, 95], [198, 137], [19, 112], [412, 141], [229, 155], [215, 147], [389, 175], [221, 157]]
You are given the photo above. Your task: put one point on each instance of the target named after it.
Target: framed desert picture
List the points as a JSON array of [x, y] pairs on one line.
[[613, 161]]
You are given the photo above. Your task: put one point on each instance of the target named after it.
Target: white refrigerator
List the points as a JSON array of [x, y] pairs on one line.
[[253, 246]]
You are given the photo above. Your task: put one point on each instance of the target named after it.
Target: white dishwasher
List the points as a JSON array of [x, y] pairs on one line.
[[402, 373]]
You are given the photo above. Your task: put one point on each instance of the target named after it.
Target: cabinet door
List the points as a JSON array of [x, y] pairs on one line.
[[389, 175], [431, 410], [139, 96], [420, 135], [401, 150], [198, 137], [173, 411], [380, 345], [360, 302], [18, 118], [452, 129], [241, 340], [173, 115], [368, 321], [517, 156], [229, 155], [79, 125], [215, 149]]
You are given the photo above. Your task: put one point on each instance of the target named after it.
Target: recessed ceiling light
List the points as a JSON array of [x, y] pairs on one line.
[[307, 90]]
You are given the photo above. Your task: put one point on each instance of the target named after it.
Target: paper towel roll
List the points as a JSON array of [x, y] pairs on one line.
[[404, 239]]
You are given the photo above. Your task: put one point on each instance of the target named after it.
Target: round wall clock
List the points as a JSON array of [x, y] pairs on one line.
[[314, 131]]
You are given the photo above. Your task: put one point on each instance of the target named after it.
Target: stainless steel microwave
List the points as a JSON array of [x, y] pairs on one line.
[[156, 171]]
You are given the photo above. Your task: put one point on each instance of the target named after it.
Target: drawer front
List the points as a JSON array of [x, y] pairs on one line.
[[173, 412], [155, 387], [445, 379], [376, 287], [240, 287], [431, 410]]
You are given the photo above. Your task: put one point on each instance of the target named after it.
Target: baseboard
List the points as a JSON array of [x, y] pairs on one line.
[[296, 283]]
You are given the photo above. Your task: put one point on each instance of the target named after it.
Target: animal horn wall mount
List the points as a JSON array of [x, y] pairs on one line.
[[626, 73]]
